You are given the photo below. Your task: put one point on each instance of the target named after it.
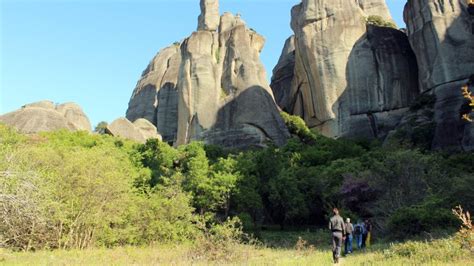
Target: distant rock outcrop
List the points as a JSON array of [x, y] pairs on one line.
[[211, 87], [46, 116], [343, 77], [140, 131]]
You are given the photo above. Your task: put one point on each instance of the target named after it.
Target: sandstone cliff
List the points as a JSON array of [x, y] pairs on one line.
[[210, 87], [345, 78], [47, 116], [441, 33]]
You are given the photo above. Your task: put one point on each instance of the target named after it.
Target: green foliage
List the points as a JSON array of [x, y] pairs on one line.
[[442, 250], [218, 55], [78, 190], [74, 193], [220, 241], [161, 159], [423, 101], [297, 126], [163, 215], [427, 216], [379, 21], [101, 127]]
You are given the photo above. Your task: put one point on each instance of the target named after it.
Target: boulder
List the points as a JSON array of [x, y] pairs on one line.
[[139, 131], [46, 116], [147, 129]]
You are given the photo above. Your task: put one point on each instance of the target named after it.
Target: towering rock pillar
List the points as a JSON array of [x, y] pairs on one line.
[[349, 79], [211, 87], [209, 17]]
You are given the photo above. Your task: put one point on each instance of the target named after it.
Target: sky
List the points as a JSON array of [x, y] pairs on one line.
[[93, 52]]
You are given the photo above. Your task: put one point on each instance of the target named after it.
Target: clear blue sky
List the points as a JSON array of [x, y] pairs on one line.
[[92, 52]]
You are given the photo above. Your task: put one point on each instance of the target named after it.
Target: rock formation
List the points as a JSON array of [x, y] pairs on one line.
[[209, 17], [211, 87], [349, 79], [155, 97], [441, 33], [139, 131], [46, 116], [375, 8]]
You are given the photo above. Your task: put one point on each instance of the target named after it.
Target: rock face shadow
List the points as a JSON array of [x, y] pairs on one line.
[[444, 45], [167, 112], [382, 82], [248, 120]]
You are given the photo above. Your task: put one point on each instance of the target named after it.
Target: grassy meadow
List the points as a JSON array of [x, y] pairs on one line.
[[275, 248]]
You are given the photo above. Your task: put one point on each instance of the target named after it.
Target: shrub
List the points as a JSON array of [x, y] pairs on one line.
[[466, 232], [379, 21], [162, 215], [297, 126], [220, 241], [425, 100], [442, 250], [426, 217]]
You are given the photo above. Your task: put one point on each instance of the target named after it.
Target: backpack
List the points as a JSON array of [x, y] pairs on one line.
[[358, 230]]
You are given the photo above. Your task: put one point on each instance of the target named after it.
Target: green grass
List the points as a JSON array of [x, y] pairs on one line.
[[283, 252]]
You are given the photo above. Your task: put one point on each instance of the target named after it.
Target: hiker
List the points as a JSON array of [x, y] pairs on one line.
[[368, 228], [336, 225], [365, 234], [358, 229], [349, 230]]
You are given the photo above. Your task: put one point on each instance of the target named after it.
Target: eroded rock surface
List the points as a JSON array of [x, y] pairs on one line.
[[441, 33], [155, 97], [212, 87], [209, 17], [349, 79], [47, 116], [375, 8]]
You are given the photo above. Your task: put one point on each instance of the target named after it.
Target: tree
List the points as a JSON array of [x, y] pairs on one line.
[[101, 127], [379, 21]]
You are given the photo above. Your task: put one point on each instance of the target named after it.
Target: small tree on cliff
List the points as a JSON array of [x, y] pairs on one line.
[[468, 95]]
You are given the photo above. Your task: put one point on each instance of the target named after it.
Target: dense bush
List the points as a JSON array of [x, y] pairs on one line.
[[75, 190]]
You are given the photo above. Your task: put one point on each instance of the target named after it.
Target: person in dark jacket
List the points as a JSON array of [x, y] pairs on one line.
[[358, 229], [349, 231], [336, 225]]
